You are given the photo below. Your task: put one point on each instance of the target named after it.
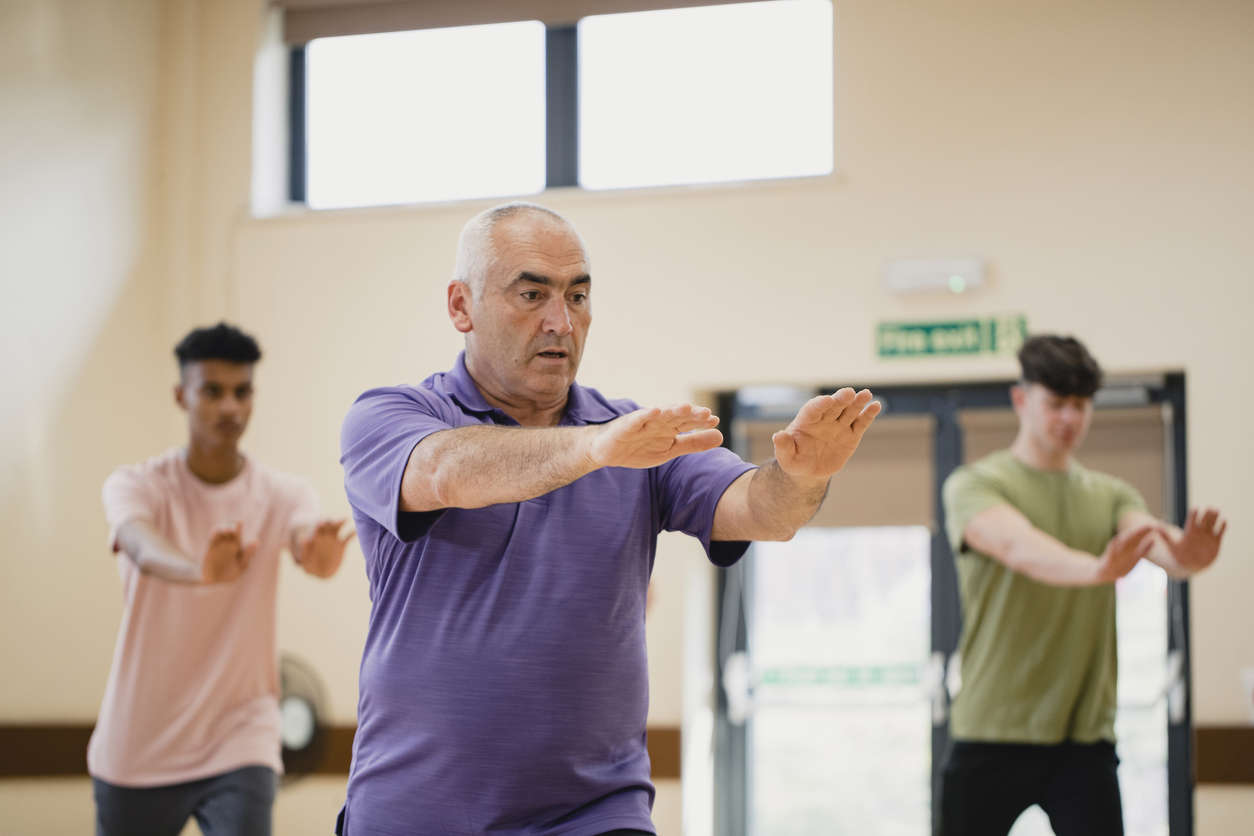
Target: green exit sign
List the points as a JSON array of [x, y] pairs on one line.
[[956, 338]]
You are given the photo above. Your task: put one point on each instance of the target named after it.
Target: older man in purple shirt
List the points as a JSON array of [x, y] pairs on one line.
[[509, 519]]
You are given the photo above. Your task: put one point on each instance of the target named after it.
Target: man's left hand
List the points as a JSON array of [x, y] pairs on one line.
[[321, 550], [1198, 545], [825, 433]]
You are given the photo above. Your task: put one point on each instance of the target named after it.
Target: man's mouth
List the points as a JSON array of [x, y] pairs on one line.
[[554, 354]]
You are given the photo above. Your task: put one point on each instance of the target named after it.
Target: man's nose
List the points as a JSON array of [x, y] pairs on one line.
[[557, 318]]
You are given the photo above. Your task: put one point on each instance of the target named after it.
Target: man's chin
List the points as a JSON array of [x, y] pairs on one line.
[[554, 382], [224, 439]]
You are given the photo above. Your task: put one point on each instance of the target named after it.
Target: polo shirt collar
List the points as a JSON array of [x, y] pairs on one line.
[[581, 407], [461, 387]]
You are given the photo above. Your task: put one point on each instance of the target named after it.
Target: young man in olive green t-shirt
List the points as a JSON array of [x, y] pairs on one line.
[[1039, 542]]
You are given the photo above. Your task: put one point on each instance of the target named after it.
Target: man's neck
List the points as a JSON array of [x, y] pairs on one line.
[[214, 465], [1027, 451], [526, 413]]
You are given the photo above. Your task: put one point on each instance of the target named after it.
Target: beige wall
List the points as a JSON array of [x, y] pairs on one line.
[[1098, 155], [79, 90]]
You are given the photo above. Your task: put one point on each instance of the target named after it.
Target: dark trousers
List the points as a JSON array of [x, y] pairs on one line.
[[985, 786], [235, 803]]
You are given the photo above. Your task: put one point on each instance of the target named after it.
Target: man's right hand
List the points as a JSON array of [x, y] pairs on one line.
[[227, 556], [1123, 552], [649, 437]]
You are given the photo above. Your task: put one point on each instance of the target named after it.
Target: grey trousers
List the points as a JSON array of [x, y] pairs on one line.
[[236, 803]]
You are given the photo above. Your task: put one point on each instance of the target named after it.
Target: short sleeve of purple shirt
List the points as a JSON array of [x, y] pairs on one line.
[[381, 430], [691, 487], [504, 682]]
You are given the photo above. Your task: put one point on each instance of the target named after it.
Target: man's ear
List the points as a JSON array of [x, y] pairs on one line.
[[179, 397], [460, 302], [1018, 395]]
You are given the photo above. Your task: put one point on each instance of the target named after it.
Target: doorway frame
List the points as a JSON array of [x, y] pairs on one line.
[[944, 404]]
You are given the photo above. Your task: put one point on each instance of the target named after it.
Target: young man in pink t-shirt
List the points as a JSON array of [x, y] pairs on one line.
[[189, 724]]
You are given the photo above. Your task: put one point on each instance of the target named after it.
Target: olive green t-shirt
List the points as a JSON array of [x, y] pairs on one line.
[[1039, 662]]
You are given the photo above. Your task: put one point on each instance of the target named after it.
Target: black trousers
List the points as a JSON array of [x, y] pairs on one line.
[[985, 786], [236, 803]]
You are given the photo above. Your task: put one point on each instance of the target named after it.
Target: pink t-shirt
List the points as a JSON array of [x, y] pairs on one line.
[[193, 691]]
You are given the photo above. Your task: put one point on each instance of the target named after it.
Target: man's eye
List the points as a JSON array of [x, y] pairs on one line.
[[579, 298], [531, 295]]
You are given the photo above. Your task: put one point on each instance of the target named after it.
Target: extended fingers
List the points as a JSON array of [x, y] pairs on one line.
[[844, 406], [1142, 541], [818, 409], [226, 532], [867, 416], [330, 527], [1134, 538], [854, 408], [636, 421], [1209, 519], [682, 418], [697, 441]]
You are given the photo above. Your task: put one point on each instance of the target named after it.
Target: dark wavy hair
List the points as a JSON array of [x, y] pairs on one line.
[[217, 342], [1061, 364]]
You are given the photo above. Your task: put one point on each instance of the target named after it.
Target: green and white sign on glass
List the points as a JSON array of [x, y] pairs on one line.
[[954, 338]]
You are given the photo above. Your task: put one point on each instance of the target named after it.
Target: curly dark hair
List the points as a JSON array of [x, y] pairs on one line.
[[217, 342], [1061, 364]]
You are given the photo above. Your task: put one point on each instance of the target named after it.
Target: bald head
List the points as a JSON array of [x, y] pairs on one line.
[[477, 246], [521, 295]]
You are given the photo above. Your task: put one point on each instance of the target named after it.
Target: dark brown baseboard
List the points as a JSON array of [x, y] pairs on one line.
[[40, 751], [1224, 754], [48, 750]]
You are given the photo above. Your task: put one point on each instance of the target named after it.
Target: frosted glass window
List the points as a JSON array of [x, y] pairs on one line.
[[436, 114], [719, 93], [840, 740]]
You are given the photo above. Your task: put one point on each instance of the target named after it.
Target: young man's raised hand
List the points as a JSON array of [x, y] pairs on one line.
[[228, 555]]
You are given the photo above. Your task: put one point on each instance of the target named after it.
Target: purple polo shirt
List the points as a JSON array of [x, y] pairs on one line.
[[504, 686]]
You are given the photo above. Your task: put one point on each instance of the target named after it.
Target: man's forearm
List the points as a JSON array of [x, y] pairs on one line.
[[473, 467], [779, 504], [156, 556], [1048, 561]]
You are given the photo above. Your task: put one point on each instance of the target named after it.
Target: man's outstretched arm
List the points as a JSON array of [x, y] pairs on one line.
[[1006, 535], [225, 558], [473, 467], [775, 500]]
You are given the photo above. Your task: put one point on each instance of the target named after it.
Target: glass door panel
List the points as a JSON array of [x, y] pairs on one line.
[[839, 736]]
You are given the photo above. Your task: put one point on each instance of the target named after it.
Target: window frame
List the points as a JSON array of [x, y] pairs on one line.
[[561, 122]]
